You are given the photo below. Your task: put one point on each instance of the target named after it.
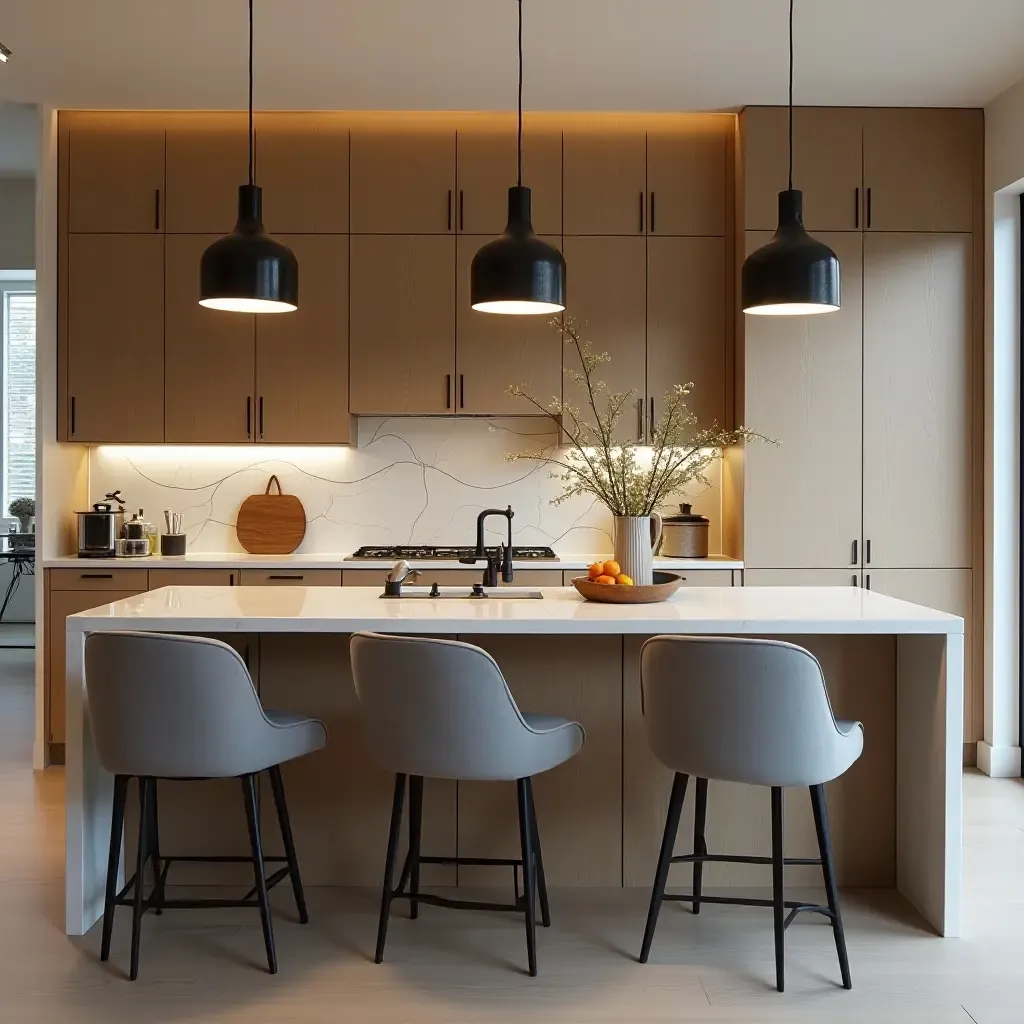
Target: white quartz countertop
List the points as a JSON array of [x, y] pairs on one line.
[[731, 610], [333, 560]]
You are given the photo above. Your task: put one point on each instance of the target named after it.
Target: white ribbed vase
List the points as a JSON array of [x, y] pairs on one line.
[[635, 538]]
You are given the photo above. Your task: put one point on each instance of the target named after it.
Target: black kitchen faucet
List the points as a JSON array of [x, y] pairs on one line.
[[501, 560]]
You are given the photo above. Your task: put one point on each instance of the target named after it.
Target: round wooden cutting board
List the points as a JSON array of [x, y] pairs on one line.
[[271, 524]]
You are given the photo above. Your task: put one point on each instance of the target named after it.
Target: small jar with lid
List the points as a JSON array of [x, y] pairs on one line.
[[685, 535]]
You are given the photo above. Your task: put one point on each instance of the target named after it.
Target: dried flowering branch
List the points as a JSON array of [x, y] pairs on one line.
[[619, 473]]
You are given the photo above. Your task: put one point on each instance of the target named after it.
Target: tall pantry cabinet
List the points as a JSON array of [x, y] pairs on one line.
[[876, 406]]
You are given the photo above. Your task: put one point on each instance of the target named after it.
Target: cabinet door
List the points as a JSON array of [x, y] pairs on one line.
[[922, 169], [686, 324], [917, 400], [605, 179], [494, 351], [210, 356], [302, 357], [826, 166], [115, 338], [115, 177], [61, 604], [948, 590], [801, 578], [802, 500], [291, 578], [402, 343], [302, 167], [191, 578], [206, 162], [608, 297], [403, 180], [686, 176], [487, 167]]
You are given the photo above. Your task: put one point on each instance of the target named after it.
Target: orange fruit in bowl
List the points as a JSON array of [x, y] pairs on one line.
[[612, 568], [597, 569], [623, 580], [606, 579]]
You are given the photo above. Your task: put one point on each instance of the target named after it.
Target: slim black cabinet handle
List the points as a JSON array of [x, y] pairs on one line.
[[856, 207], [867, 551], [449, 209], [156, 209], [641, 228], [867, 582], [639, 419], [853, 580], [286, 576], [261, 417], [447, 390], [855, 551], [72, 414], [867, 212], [652, 213], [248, 416], [462, 210], [462, 391], [96, 576], [650, 422]]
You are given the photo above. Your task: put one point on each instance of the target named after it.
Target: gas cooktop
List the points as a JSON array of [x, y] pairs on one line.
[[427, 552]]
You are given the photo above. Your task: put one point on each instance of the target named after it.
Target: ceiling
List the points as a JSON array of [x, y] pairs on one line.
[[459, 54]]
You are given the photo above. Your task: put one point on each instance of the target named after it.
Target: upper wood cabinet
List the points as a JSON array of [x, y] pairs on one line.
[[210, 356], [302, 167], [686, 289], [207, 160], [922, 169], [826, 166], [403, 179], [302, 357], [687, 175], [402, 322], [115, 176], [918, 324], [487, 168], [605, 178], [115, 338], [493, 352], [802, 500], [608, 296]]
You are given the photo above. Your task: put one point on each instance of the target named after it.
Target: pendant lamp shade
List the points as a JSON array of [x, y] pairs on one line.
[[793, 274], [248, 271], [518, 273]]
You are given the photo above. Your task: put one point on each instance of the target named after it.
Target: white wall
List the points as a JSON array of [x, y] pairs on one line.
[[17, 223], [999, 753]]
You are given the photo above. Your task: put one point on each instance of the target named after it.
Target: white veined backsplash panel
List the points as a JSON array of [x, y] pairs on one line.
[[417, 481]]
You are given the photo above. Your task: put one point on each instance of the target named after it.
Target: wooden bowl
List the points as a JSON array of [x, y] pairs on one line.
[[664, 586]]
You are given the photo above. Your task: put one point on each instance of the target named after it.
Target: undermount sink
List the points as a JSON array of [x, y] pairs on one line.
[[462, 594]]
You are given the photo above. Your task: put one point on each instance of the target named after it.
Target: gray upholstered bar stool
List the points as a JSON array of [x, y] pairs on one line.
[[183, 707], [442, 709], [752, 711]]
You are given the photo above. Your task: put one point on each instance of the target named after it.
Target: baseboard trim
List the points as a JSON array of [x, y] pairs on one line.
[[999, 762]]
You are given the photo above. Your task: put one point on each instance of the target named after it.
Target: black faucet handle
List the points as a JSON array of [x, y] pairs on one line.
[[507, 575]]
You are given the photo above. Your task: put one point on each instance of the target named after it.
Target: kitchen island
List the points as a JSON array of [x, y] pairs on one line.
[[896, 666]]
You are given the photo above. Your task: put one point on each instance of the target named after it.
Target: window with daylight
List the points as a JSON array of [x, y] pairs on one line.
[[19, 391]]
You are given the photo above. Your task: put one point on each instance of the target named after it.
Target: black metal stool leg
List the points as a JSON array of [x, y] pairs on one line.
[[668, 842], [154, 849], [113, 861], [700, 846], [828, 872], [778, 894], [529, 873], [259, 872], [542, 885], [277, 786], [140, 870], [415, 831], [389, 866]]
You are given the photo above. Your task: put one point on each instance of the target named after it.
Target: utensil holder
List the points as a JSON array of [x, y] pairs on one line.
[[172, 543]]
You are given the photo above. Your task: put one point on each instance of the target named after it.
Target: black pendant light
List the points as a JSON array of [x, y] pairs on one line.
[[518, 273], [793, 274], [248, 271]]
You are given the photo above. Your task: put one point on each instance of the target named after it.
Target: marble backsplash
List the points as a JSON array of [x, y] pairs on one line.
[[408, 481]]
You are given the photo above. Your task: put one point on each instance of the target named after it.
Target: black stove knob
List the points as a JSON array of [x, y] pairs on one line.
[[435, 591]]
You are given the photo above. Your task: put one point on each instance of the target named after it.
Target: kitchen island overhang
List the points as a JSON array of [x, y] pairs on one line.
[[928, 677]]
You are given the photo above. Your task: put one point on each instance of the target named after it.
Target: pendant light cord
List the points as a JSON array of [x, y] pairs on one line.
[[519, 136], [252, 146], [791, 95]]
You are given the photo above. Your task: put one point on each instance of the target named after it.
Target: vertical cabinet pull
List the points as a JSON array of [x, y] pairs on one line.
[[853, 580], [641, 228], [650, 422], [72, 414], [248, 416], [867, 551], [867, 582], [462, 391], [855, 551], [652, 213], [639, 419], [156, 209], [449, 209], [447, 390], [867, 211], [261, 417], [856, 207], [462, 209]]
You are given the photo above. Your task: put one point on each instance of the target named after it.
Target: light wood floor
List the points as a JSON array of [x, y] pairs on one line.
[[458, 968]]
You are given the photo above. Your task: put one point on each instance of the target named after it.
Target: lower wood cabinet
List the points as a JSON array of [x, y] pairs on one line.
[[801, 578], [192, 578], [291, 577]]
